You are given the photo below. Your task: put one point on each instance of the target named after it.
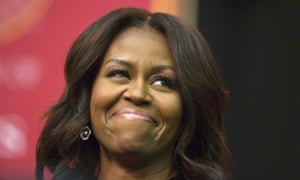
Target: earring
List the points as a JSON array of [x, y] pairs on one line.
[[85, 133]]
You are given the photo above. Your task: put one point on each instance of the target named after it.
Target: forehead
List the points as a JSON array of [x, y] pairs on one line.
[[135, 44], [144, 30]]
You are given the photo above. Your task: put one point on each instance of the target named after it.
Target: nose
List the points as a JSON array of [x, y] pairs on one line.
[[137, 92]]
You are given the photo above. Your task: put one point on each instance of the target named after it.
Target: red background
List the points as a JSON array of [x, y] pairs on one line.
[[31, 75]]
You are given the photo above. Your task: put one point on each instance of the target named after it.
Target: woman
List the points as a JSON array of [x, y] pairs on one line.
[[143, 100]]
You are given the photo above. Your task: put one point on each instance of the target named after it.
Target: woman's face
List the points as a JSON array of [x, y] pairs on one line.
[[135, 105]]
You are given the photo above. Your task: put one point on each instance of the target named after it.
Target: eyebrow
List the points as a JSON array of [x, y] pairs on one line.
[[155, 69], [119, 61]]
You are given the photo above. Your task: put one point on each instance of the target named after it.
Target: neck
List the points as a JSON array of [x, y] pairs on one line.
[[127, 166]]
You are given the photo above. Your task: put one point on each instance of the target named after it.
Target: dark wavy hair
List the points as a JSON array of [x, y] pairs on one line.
[[200, 152]]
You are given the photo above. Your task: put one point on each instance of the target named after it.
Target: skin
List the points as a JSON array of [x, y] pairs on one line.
[[135, 107]]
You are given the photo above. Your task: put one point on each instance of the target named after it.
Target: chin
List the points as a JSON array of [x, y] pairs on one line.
[[133, 144]]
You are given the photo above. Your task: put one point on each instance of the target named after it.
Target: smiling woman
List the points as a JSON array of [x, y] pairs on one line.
[[135, 109], [143, 100]]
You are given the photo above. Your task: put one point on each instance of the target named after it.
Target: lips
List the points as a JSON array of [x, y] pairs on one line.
[[132, 114]]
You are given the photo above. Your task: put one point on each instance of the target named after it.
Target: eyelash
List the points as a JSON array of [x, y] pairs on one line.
[[119, 73], [165, 81]]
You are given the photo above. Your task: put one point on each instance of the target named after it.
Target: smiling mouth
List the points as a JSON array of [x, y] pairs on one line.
[[134, 115], [131, 116]]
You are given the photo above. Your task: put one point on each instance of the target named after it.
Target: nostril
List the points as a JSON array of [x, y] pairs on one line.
[[138, 102], [137, 99], [137, 96]]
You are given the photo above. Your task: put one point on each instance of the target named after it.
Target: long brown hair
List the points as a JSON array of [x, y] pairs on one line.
[[201, 151]]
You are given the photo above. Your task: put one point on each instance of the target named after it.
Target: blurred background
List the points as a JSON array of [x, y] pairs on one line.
[[255, 43]]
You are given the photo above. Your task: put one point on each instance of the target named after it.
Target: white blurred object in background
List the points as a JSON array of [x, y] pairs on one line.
[[13, 137], [21, 73]]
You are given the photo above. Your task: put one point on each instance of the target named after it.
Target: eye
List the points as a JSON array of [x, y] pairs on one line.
[[163, 81], [118, 73]]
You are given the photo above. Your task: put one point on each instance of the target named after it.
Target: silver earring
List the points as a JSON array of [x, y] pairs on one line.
[[85, 133]]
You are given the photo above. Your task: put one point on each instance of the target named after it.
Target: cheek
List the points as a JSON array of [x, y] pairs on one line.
[[101, 100], [102, 96], [171, 111], [175, 107], [96, 110], [98, 101]]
